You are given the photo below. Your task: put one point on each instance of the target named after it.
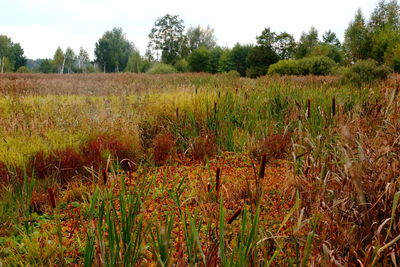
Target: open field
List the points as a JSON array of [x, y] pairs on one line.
[[125, 169]]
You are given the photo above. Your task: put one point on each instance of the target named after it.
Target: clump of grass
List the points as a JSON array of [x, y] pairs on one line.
[[203, 147], [64, 164], [274, 146], [163, 145], [4, 174]]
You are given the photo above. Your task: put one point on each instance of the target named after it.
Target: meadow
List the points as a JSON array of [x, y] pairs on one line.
[[198, 170]]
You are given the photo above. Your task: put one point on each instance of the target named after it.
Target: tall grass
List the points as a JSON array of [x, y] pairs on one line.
[[344, 148]]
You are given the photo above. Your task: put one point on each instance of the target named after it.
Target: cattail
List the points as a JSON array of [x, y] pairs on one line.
[[104, 174], [308, 108], [234, 216], [218, 181], [219, 94], [52, 198], [333, 106], [208, 187], [261, 174], [177, 113], [215, 108]]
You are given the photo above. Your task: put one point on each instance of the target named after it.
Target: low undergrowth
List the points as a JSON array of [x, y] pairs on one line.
[[157, 171]]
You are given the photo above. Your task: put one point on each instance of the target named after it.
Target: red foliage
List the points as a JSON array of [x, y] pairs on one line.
[[203, 147], [163, 145], [39, 202], [65, 164], [38, 164], [92, 152], [68, 163], [4, 175]]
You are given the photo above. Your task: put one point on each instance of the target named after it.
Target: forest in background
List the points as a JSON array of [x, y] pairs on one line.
[[173, 48]]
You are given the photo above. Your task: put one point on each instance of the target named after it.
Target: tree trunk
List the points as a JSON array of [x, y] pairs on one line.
[[62, 66], [2, 64]]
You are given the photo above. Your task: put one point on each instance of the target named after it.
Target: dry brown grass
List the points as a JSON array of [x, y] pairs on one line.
[[163, 145], [351, 187]]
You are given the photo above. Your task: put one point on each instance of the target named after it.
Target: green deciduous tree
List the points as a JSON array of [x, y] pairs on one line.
[[308, 41], [112, 50], [330, 38], [393, 58], [166, 37], [198, 37], [238, 55], [385, 14], [11, 55], [225, 63], [137, 64], [134, 62], [5, 47], [48, 66], [384, 30], [259, 59], [267, 38], [215, 55], [199, 60], [356, 39], [284, 45], [70, 59], [59, 60], [83, 59], [328, 50], [17, 56]]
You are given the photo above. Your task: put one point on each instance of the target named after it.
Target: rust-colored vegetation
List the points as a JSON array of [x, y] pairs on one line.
[[151, 160]]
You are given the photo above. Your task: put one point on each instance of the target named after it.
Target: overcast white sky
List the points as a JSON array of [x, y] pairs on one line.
[[42, 25]]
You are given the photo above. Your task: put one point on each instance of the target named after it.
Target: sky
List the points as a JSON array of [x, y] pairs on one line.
[[40, 26]]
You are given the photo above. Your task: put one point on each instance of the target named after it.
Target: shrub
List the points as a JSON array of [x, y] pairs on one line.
[[365, 71], [64, 164], [317, 65], [148, 132], [339, 70], [23, 69], [162, 147], [199, 60], [182, 66], [232, 74], [396, 59], [203, 147], [285, 67], [161, 68], [254, 72]]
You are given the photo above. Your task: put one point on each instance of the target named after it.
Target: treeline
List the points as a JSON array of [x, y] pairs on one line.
[[171, 48], [11, 55]]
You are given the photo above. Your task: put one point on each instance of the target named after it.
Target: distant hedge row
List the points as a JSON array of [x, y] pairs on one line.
[[317, 65]]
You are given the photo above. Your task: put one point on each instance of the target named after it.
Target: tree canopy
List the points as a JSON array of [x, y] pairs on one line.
[[11, 55], [112, 50], [167, 37]]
